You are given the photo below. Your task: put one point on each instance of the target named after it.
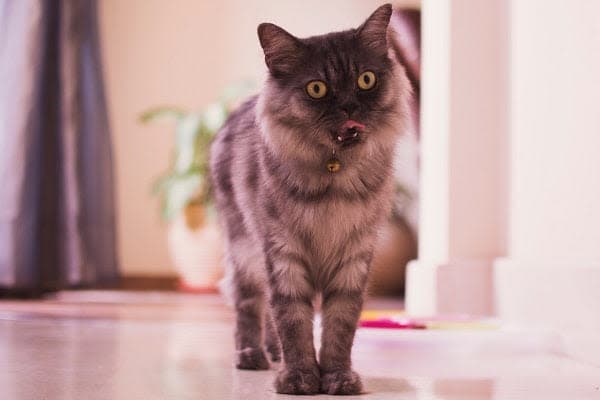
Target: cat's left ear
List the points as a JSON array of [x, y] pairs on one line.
[[282, 50], [374, 30]]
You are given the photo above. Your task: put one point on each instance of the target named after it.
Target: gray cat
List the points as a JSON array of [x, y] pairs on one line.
[[302, 177]]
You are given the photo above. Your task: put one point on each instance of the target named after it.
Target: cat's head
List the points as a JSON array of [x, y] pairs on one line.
[[340, 91]]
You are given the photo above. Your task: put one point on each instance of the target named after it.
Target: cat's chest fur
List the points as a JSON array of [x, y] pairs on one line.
[[337, 225]]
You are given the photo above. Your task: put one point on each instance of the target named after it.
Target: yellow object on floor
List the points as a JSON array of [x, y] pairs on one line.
[[398, 319]]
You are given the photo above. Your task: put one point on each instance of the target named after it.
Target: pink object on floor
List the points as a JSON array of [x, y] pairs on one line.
[[391, 324]]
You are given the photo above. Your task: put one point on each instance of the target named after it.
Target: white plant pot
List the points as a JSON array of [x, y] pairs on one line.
[[197, 251]]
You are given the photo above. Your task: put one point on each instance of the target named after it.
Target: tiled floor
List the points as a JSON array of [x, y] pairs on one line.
[[160, 346]]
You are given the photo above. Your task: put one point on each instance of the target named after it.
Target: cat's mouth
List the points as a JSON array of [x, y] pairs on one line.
[[349, 133]]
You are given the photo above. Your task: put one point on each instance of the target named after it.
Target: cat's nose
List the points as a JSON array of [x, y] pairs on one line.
[[349, 108]]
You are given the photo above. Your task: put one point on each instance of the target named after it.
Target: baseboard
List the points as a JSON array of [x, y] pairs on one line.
[[560, 298], [458, 287], [137, 282]]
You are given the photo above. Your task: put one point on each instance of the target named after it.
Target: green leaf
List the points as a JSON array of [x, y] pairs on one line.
[[186, 133], [161, 113], [214, 117], [180, 193], [186, 180]]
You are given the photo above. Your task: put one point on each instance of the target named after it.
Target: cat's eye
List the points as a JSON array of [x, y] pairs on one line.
[[316, 89], [366, 80]]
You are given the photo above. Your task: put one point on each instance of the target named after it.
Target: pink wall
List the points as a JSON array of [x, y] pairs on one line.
[[478, 127]]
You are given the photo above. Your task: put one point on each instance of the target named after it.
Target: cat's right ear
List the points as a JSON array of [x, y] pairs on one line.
[[374, 30], [282, 50]]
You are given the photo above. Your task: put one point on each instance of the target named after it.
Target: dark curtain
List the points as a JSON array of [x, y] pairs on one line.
[[57, 215]]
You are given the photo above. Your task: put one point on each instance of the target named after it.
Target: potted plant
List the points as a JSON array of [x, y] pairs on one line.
[[194, 239]]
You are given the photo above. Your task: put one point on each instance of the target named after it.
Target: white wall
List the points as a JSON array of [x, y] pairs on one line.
[[551, 276], [555, 215], [183, 52]]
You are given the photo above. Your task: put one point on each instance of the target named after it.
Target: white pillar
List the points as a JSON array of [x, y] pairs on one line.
[[463, 154], [551, 275]]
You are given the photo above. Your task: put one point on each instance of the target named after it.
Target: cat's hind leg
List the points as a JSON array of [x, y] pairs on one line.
[[272, 343], [250, 306]]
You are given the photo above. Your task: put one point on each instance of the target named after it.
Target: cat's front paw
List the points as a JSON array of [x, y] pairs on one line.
[[341, 382], [298, 381], [252, 358], [275, 353]]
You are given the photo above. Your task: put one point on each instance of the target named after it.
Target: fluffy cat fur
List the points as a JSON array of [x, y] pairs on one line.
[[296, 232]]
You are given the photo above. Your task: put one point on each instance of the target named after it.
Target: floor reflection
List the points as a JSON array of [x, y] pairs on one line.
[[182, 348], [463, 389]]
